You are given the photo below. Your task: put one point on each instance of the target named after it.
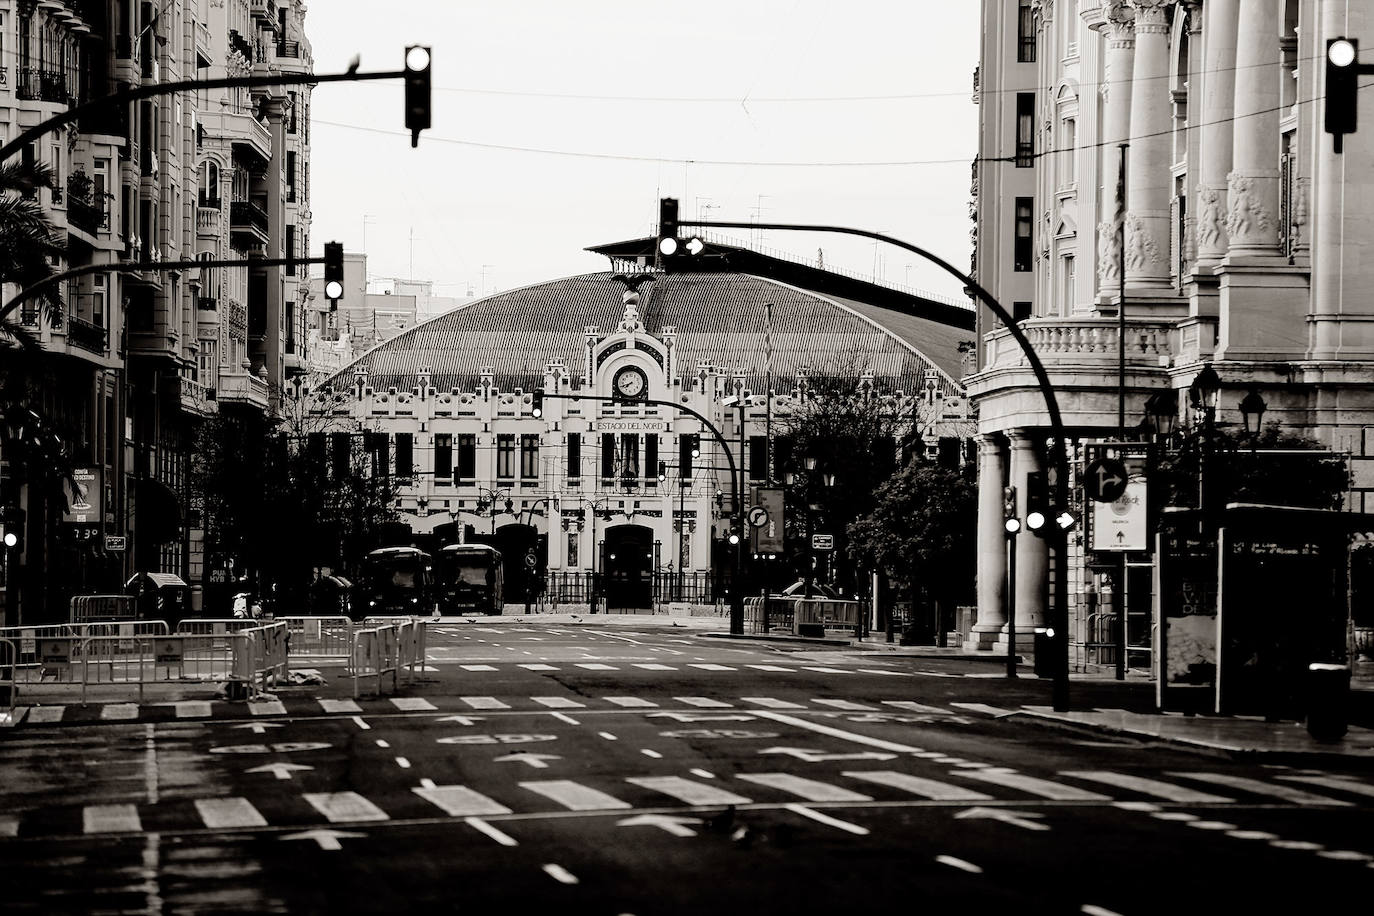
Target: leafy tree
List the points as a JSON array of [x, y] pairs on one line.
[[28, 241]]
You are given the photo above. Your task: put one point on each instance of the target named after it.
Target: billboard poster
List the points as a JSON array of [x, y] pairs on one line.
[[84, 504], [768, 524], [1187, 617]]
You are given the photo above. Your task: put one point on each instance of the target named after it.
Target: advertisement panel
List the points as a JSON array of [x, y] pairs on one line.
[[768, 534], [84, 505]]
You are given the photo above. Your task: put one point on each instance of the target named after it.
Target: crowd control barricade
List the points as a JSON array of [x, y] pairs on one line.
[[319, 640], [105, 661], [375, 653], [411, 639], [267, 647], [817, 615], [9, 684], [87, 608], [26, 647]]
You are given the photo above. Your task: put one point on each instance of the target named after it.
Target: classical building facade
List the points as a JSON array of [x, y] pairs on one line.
[[1245, 240], [139, 359], [656, 393]]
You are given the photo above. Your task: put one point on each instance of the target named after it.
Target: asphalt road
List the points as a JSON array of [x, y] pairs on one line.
[[649, 770]]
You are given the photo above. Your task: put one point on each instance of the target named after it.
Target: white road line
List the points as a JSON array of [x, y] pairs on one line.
[[772, 703], [119, 711], [110, 819], [344, 807], [691, 793], [42, 714], [483, 827], [562, 718], [1338, 783], [9, 826], [382, 742], [887, 671], [846, 704], [403, 763], [917, 785], [596, 666], [837, 732], [426, 783], [827, 819], [573, 795], [608, 736], [911, 706], [270, 708], [226, 813], [1043, 787], [1259, 787], [702, 774], [960, 864], [1093, 910], [654, 667], [192, 709], [535, 667], [478, 667], [632, 702], [996, 712], [412, 704], [329, 705], [704, 702], [1165, 790], [770, 668], [459, 801], [810, 789], [707, 666], [361, 724], [828, 670], [559, 702], [560, 874], [484, 703]]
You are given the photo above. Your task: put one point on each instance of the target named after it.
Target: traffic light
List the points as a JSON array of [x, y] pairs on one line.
[[1010, 522], [1342, 72], [14, 518], [537, 403], [694, 444], [333, 272], [1037, 503], [417, 91], [662, 471], [669, 247]]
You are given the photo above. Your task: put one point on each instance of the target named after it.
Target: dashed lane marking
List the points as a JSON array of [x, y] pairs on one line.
[[631, 702], [227, 813], [538, 667], [559, 703], [912, 706], [560, 874], [1332, 782], [707, 666], [996, 712], [824, 670], [846, 704], [1165, 790], [1259, 787], [827, 819], [482, 826], [484, 703], [772, 703], [703, 702], [650, 666], [961, 864], [9, 826], [339, 705], [110, 819], [345, 807], [769, 668], [478, 667]]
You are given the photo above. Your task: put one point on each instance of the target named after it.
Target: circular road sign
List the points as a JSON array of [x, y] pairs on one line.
[[531, 560], [758, 516], [1105, 480]]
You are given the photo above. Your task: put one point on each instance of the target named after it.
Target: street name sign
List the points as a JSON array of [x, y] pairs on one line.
[[822, 542]]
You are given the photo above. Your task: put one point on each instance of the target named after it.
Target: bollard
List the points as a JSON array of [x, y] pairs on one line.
[[1328, 699], [1043, 648]]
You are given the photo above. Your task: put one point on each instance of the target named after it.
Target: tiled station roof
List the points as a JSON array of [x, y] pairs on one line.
[[719, 317]]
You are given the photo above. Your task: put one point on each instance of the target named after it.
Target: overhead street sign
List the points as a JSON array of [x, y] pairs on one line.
[[822, 542], [1105, 480]]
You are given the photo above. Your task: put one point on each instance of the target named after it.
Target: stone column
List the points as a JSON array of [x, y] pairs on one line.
[[992, 548], [1116, 128], [1032, 553], [1217, 109], [1253, 184], [1148, 178]]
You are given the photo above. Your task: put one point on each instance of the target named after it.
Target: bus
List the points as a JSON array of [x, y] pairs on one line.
[[470, 578], [394, 580]]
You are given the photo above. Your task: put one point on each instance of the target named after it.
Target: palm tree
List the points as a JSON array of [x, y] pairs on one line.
[[28, 242]]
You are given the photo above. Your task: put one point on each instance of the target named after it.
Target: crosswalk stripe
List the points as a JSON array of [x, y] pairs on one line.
[[270, 708], [559, 702], [484, 703], [1338, 783], [651, 666], [1259, 787], [846, 704], [597, 666], [478, 667], [223, 813], [412, 704], [119, 711], [1165, 790], [339, 705], [888, 671], [537, 667], [708, 666], [772, 703], [769, 668], [912, 706], [573, 795], [192, 709], [110, 819], [460, 801], [691, 793], [344, 807], [996, 712], [42, 714], [810, 789], [1034, 786], [824, 670], [631, 702], [704, 702], [9, 826], [916, 785]]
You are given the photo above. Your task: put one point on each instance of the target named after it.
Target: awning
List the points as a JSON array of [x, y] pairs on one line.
[[156, 580], [157, 511]]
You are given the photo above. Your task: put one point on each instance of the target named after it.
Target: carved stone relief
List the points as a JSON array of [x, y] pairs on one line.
[[1141, 250], [1248, 215], [1211, 223]]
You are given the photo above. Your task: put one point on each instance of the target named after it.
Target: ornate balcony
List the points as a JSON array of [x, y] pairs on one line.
[[34, 85], [82, 333], [84, 215], [1083, 342], [247, 223]]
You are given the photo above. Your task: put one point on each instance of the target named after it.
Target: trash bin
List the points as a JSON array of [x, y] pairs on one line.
[[1328, 700], [1044, 652]]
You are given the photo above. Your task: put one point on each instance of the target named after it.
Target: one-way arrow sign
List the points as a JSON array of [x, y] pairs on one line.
[[327, 838], [698, 717], [811, 756], [280, 770], [669, 822], [1015, 818], [461, 720], [259, 728], [535, 760]]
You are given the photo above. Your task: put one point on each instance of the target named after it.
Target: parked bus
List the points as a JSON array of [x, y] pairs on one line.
[[470, 578], [394, 580]]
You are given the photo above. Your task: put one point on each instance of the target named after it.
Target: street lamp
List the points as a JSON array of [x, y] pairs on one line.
[[1252, 414]]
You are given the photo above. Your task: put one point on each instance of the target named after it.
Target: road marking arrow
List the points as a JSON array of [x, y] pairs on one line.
[[328, 839], [1015, 818], [811, 756], [671, 823], [280, 770], [698, 717], [461, 720], [259, 727], [534, 760]]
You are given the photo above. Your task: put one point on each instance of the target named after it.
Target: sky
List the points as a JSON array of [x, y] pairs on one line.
[[558, 124]]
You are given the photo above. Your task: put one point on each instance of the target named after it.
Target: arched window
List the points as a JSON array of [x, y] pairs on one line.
[[209, 184]]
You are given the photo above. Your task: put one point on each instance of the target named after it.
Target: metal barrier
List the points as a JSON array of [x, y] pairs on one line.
[[319, 639], [267, 649], [374, 654], [112, 660], [762, 614], [215, 626], [412, 639], [86, 608], [9, 683], [826, 613]]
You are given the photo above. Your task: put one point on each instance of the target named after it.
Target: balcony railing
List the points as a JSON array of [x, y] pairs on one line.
[[207, 219], [1083, 341], [34, 85], [241, 44], [86, 335], [288, 49], [85, 215], [245, 213]]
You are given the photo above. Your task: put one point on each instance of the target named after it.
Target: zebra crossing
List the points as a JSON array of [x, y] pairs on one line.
[[767, 789]]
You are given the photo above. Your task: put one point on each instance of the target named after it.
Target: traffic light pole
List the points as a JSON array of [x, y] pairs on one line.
[[737, 484], [1058, 448]]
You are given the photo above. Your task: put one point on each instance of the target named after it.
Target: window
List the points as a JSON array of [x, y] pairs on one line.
[[758, 457], [529, 456], [629, 455], [505, 457], [572, 551], [467, 457], [1025, 129], [405, 455], [1020, 311], [1025, 33], [98, 300], [379, 447], [290, 175], [574, 456], [291, 107], [1070, 284], [1022, 252], [315, 445], [607, 456], [651, 458], [1068, 140], [343, 455], [290, 245], [208, 362], [443, 456]]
